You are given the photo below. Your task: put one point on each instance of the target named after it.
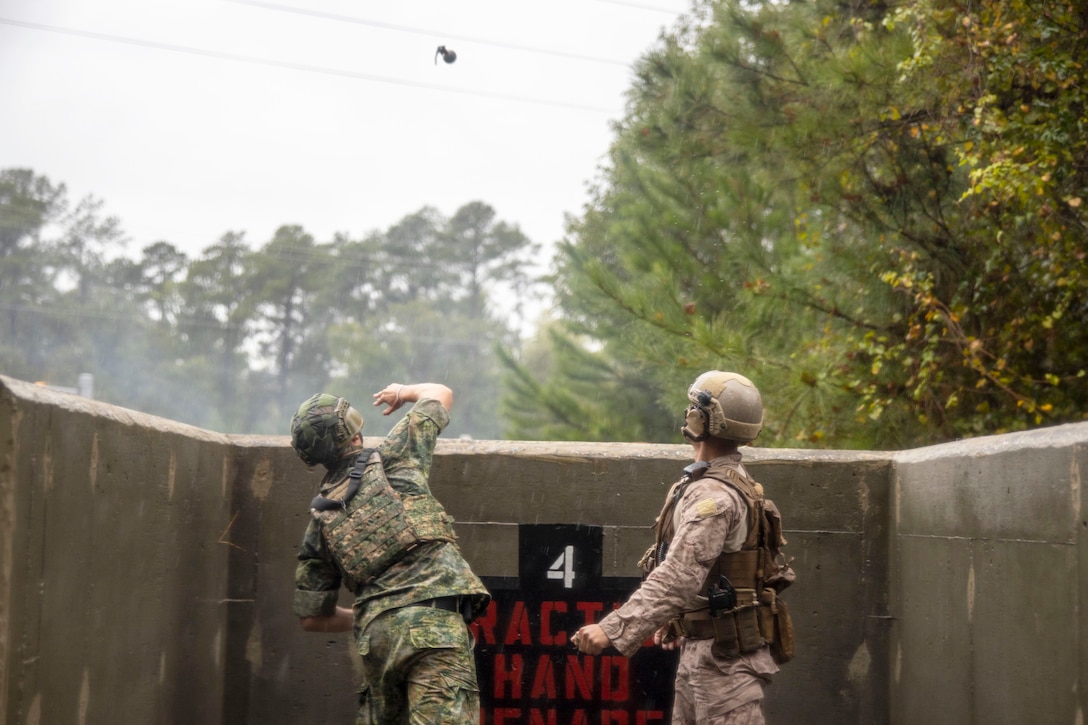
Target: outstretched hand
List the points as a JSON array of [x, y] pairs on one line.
[[390, 396]]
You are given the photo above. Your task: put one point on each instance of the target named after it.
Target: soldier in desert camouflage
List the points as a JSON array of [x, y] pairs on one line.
[[715, 569]]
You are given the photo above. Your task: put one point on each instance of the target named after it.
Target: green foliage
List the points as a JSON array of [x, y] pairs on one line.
[[877, 218], [28, 272], [596, 402], [1002, 344], [235, 338]]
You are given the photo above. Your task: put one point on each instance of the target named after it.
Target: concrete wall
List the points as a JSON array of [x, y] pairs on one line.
[[989, 576], [146, 567], [112, 580]]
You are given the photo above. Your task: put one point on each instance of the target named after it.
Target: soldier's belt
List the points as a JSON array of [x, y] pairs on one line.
[[700, 625], [735, 632], [450, 604], [456, 604], [694, 628]]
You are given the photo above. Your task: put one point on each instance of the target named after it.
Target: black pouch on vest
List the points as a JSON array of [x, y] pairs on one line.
[[722, 597]]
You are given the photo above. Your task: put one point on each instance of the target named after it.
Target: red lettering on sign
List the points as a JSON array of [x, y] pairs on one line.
[[590, 610], [483, 627], [536, 677], [546, 637], [550, 716], [543, 679], [614, 679], [518, 629], [502, 713], [518, 625], [511, 676], [547, 717], [579, 674]]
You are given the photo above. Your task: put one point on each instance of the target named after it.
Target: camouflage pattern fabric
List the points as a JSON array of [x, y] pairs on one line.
[[711, 518], [321, 426], [431, 570], [711, 690], [379, 525], [418, 669]]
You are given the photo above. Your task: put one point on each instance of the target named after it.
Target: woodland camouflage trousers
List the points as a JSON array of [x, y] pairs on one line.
[[418, 668]]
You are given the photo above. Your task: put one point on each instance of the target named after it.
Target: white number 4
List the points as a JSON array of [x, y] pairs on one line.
[[563, 567]]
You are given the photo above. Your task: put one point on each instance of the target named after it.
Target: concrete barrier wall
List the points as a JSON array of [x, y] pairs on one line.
[[146, 568], [835, 505], [112, 580], [989, 575]]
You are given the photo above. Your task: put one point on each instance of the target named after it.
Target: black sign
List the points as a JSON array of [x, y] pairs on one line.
[[530, 673]]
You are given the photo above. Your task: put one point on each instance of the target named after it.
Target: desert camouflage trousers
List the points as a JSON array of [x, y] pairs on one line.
[[712, 690], [418, 668]]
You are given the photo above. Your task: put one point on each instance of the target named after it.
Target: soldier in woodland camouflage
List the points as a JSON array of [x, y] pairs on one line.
[[376, 529], [713, 575]]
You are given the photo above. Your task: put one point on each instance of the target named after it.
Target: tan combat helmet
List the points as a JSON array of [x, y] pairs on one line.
[[723, 405]]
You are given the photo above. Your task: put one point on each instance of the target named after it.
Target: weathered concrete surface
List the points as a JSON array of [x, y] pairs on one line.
[[111, 591], [146, 567], [835, 505], [989, 572]]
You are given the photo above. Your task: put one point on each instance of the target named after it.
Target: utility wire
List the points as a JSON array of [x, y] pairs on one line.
[[421, 31], [296, 66]]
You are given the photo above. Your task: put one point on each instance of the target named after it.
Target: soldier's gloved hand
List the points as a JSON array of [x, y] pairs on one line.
[[591, 639]]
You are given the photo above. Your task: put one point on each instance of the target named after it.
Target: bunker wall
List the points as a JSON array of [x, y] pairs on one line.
[[146, 567], [989, 579]]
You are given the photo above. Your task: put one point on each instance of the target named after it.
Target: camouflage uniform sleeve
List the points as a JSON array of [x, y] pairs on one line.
[[708, 514], [317, 578], [408, 450]]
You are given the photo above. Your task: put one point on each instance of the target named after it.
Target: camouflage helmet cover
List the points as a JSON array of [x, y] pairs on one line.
[[723, 405], [321, 427]]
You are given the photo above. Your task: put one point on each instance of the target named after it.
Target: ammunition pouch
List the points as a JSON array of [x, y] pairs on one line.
[[377, 526], [775, 625], [735, 632], [757, 620]]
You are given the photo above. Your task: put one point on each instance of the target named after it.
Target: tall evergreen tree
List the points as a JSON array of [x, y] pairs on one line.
[[28, 205], [285, 282], [791, 196], [217, 312], [433, 285]]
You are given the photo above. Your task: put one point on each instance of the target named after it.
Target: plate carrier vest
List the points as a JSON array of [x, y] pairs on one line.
[[756, 573], [374, 525]]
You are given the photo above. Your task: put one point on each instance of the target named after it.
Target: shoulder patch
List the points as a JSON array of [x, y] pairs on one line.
[[707, 507]]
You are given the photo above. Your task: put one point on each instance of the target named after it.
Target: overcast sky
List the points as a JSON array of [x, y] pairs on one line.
[[191, 118]]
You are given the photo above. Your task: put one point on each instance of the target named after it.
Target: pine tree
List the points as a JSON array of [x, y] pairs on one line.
[[797, 193]]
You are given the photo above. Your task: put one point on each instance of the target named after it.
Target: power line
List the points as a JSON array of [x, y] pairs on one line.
[[219, 55], [420, 31]]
